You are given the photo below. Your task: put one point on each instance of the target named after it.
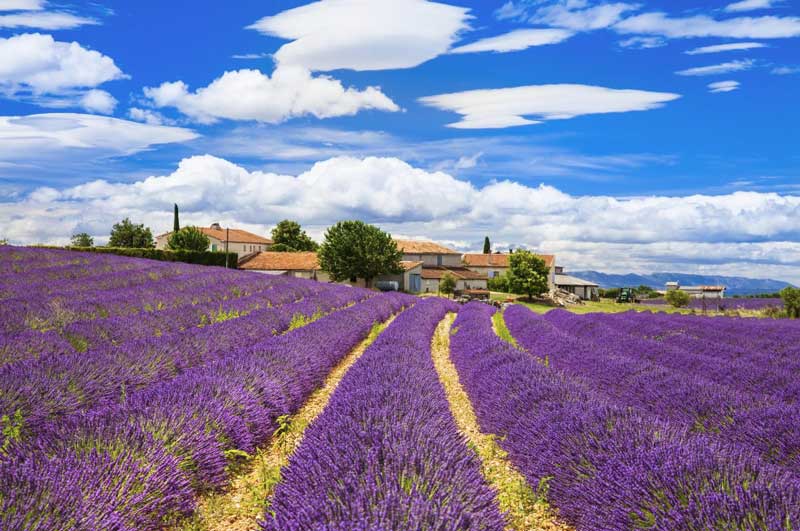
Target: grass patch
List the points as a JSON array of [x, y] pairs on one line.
[[500, 328]]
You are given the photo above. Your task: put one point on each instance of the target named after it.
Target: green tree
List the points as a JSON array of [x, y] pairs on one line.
[[127, 234], [487, 246], [290, 234], [282, 248], [354, 249], [82, 239], [447, 284], [3, 241], [176, 224], [527, 274], [190, 239], [678, 298], [791, 301], [498, 283]]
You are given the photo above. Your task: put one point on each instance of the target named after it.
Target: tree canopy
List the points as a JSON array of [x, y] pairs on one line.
[[527, 274], [176, 224], [82, 239], [447, 284], [291, 237], [487, 246], [678, 298], [189, 239], [127, 234], [354, 249], [791, 301]]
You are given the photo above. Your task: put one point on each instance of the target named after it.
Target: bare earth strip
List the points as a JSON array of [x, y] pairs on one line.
[[525, 509], [241, 506]]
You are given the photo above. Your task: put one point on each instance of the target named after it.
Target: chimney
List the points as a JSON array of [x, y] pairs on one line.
[[216, 226]]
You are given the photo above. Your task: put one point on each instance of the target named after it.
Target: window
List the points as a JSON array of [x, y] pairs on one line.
[[438, 259]]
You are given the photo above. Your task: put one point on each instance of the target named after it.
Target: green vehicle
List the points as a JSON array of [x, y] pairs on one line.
[[627, 295]]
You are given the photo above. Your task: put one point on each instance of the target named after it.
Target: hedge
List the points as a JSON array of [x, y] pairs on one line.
[[212, 258]]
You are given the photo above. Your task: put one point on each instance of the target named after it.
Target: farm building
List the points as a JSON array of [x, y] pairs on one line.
[[306, 265], [699, 292], [496, 264], [437, 260], [239, 241], [582, 288], [299, 265]]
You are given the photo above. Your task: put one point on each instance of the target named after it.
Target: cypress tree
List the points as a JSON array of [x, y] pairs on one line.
[[487, 246], [176, 226]]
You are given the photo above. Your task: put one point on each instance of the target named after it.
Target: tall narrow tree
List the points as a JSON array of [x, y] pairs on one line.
[[176, 226], [487, 246]]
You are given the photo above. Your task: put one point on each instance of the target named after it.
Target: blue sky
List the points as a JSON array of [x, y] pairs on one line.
[[665, 132]]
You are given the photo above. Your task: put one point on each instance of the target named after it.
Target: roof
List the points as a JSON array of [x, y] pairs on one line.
[[423, 247], [462, 273], [499, 259], [274, 261], [408, 265], [566, 280], [703, 288], [235, 235]]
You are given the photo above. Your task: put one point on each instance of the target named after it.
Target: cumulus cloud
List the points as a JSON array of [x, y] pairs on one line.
[[737, 227], [364, 34], [516, 40], [785, 70], [39, 136], [508, 107], [767, 27], [730, 47], [722, 68], [253, 95], [52, 73], [750, 5], [723, 86]]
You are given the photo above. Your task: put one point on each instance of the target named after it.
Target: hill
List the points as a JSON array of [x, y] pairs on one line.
[[735, 285]]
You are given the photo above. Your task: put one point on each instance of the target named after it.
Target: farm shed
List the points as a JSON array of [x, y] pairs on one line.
[[239, 241], [465, 279], [582, 288], [299, 265], [699, 292], [496, 264]]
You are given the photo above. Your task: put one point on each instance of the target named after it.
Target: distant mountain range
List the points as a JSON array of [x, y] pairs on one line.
[[734, 285]]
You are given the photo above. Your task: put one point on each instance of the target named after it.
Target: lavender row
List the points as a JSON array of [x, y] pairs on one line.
[[773, 340], [610, 468], [45, 389], [139, 463], [724, 304], [732, 366], [769, 428], [386, 453]]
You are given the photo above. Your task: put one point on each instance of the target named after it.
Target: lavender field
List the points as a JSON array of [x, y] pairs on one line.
[[130, 389]]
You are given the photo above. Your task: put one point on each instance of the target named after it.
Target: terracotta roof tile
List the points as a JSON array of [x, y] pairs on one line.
[[408, 265], [423, 247], [437, 272], [274, 261], [236, 235], [499, 259]]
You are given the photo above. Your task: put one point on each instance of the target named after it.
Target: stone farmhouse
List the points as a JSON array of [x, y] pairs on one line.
[[239, 241]]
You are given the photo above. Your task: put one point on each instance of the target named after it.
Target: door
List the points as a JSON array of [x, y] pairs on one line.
[[414, 283]]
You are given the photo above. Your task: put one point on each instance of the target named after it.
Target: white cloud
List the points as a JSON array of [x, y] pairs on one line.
[[750, 5], [722, 68], [253, 95], [723, 86], [577, 15], [21, 5], [785, 70], [643, 42], [704, 26], [730, 47], [516, 40], [508, 107], [364, 34], [148, 116], [98, 101], [46, 20], [586, 231], [249, 56], [40, 136], [52, 73]]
